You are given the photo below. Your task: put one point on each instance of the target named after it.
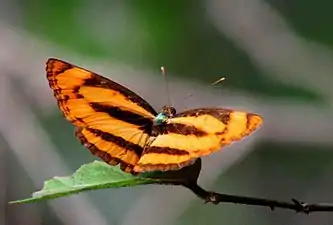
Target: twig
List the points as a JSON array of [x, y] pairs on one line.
[[216, 198], [188, 176]]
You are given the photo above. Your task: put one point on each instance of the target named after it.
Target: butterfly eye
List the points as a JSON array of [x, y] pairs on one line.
[[172, 111]]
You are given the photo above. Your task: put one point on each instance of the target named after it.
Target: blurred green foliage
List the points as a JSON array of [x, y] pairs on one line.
[[153, 33], [180, 36]]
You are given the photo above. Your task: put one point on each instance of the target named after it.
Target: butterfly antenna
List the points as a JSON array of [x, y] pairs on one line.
[[188, 96], [166, 85], [218, 81], [214, 83]]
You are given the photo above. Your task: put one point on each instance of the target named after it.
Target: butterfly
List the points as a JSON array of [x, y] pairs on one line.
[[120, 127]]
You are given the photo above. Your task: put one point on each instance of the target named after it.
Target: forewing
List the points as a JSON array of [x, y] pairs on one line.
[[112, 121]]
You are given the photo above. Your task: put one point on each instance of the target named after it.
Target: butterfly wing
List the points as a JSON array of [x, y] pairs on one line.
[[195, 133], [113, 122]]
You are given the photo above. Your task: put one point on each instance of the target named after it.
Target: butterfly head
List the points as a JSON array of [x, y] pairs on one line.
[[170, 111], [165, 113]]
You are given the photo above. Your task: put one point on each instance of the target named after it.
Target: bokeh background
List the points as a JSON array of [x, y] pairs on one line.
[[276, 56]]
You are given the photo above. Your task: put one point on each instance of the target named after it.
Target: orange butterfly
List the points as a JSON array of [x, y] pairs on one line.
[[120, 127]]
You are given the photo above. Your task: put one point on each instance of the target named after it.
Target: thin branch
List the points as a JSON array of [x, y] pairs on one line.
[[188, 176], [216, 198]]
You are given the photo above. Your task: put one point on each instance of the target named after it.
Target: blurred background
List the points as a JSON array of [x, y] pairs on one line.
[[276, 56]]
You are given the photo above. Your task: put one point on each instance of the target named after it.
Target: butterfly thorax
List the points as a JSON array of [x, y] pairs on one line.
[[160, 119], [165, 113]]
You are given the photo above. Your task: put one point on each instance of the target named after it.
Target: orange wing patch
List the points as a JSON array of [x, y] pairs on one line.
[[193, 134], [110, 149], [113, 122]]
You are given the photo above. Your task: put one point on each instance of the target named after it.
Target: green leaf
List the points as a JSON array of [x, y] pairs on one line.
[[92, 176], [100, 175]]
